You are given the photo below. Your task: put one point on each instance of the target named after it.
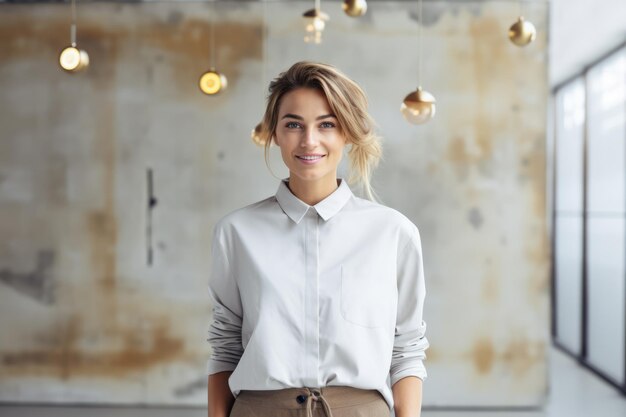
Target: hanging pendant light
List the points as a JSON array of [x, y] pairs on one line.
[[522, 32], [354, 8], [418, 106], [314, 23], [256, 135], [71, 58], [212, 82]]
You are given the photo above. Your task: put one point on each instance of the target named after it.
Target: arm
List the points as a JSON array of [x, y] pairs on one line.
[[220, 399], [224, 333], [407, 364], [407, 397]]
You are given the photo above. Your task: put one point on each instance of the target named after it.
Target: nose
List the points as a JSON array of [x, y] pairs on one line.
[[309, 137]]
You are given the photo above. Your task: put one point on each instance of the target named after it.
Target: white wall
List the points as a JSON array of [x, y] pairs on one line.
[[581, 31]]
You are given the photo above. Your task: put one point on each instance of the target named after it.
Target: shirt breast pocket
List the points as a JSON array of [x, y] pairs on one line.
[[365, 296]]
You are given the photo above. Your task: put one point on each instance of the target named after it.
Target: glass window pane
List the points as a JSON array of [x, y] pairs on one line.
[[568, 258], [606, 248], [606, 135], [570, 117]]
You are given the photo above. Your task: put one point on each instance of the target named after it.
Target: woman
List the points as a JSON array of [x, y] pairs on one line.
[[317, 294]]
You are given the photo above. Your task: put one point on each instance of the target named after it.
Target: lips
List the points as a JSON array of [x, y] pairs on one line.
[[310, 161]]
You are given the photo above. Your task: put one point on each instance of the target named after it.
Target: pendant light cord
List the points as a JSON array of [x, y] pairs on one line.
[[264, 29], [73, 25], [419, 38], [212, 36]]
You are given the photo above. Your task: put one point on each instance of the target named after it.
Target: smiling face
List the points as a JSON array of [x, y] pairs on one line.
[[309, 136]]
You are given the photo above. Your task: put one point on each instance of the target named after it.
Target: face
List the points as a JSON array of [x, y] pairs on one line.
[[307, 126]]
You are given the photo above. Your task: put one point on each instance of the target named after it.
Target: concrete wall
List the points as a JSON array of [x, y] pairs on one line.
[[86, 318]]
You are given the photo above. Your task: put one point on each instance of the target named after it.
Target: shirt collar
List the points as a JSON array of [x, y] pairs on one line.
[[327, 208]]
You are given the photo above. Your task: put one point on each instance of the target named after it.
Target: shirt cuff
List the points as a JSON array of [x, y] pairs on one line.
[[214, 366], [415, 368]]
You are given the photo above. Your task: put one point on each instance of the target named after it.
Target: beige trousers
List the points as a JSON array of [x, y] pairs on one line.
[[330, 401]]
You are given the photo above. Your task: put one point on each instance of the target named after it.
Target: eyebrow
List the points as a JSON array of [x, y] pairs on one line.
[[295, 116]]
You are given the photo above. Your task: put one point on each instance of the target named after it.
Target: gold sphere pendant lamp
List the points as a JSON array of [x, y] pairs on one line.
[[212, 82], [354, 8], [522, 32], [257, 135], [418, 107], [71, 58], [314, 23]]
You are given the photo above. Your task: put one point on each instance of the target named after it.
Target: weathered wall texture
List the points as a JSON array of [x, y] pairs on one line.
[[85, 318]]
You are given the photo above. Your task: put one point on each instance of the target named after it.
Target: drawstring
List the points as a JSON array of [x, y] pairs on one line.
[[317, 396]]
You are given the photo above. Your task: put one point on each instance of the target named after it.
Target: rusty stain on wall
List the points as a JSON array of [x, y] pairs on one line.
[[66, 359], [491, 285], [458, 155], [483, 355], [519, 355]]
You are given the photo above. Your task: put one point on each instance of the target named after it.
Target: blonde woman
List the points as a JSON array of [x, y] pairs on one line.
[[317, 294]]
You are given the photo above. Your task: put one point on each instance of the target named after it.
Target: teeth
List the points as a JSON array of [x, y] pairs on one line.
[[309, 157]]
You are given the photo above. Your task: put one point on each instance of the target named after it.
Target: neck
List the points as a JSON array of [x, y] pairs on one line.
[[312, 192]]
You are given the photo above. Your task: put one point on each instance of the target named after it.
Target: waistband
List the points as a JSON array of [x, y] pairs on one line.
[[335, 396]]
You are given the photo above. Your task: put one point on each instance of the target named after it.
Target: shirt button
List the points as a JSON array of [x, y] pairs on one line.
[[301, 398]]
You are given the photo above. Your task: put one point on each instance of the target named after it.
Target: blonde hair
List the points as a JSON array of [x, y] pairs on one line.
[[349, 104]]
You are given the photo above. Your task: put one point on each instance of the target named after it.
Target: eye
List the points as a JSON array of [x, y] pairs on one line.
[[291, 125], [329, 125]]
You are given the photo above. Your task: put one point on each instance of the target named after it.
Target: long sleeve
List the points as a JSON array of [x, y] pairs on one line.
[[410, 342], [224, 334]]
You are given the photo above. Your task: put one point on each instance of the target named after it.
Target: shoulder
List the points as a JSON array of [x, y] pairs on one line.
[[387, 217], [243, 215]]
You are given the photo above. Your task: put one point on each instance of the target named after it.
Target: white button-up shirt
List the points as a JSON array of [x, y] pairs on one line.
[[311, 296]]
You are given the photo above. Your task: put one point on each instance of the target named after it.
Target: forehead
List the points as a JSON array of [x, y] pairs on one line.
[[304, 101]]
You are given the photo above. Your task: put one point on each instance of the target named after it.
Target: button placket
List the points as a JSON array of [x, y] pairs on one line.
[[311, 377]]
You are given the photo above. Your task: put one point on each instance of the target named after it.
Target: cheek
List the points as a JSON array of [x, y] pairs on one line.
[[285, 152], [283, 138], [338, 147]]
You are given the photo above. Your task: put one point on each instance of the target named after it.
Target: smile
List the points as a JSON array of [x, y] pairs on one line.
[[310, 159]]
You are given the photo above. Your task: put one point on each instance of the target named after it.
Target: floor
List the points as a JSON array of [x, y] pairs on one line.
[[575, 392]]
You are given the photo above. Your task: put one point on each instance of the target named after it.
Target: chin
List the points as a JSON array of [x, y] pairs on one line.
[[309, 176]]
